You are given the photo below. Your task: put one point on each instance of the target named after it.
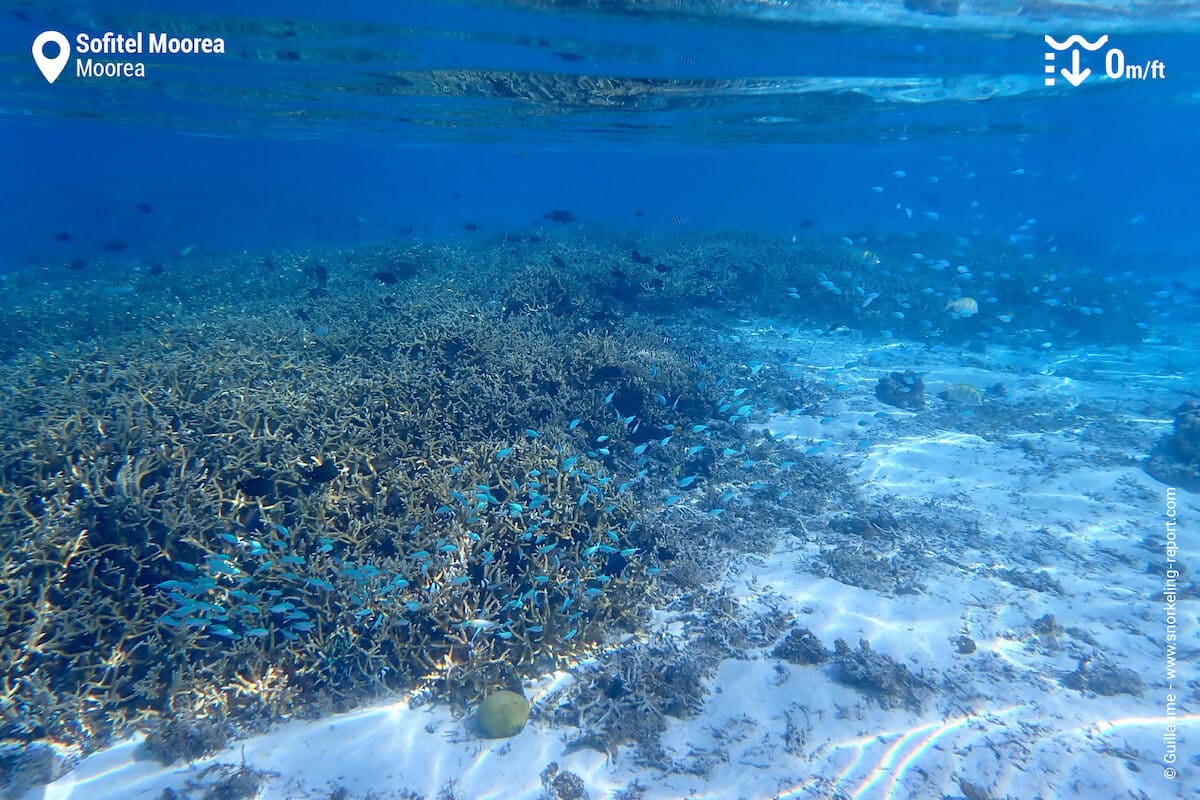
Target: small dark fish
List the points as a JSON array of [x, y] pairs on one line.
[[570, 57], [115, 245], [558, 262], [470, 226], [534, 239], [560, 215], [806, 223], [62, 236], [321, 473], [512, 238], [639, 213], [661, 268], [156, 269], [319, 272], [638, 258], [256, 486], [77, 264], [385, 277], [145, 208]]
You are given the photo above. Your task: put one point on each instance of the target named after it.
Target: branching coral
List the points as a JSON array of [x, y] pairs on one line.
[[237, 519]]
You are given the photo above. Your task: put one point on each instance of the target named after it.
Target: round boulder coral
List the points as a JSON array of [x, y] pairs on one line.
[[502, 714]]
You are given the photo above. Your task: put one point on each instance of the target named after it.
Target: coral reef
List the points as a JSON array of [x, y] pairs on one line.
[[562, 784], [277, 485], [887, 547], [890, 683], [627, 696], [23, 767], [221, 782], [1176, 459], [1098, 674], [901, 389], [233, 527], [269, 504], [169, 740], [801, 646]]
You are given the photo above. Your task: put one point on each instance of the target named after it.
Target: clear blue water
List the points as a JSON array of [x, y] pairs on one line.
[[297, 194], [749, 117]]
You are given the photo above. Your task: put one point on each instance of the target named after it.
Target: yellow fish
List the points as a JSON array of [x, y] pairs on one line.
[[963, 307], [962, 394]]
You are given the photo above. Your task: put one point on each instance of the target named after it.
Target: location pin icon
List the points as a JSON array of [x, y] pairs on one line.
[[51, 67]]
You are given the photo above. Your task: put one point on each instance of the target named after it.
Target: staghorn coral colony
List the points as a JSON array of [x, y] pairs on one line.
[[293, 485]]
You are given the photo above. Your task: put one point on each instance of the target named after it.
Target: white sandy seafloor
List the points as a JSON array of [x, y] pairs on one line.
[[1071, 503]]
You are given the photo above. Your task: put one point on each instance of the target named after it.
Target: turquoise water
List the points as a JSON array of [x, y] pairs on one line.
[[603, 353]]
